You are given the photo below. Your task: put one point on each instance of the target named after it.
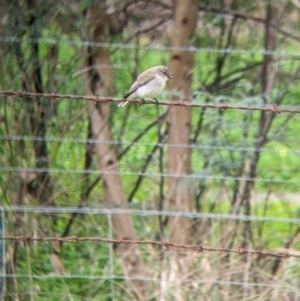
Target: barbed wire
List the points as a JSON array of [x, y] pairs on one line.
[[185, 104], [161, 243], [170, 145], [50, 41]]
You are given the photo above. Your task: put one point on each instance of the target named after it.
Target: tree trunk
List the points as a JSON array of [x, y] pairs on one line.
[[180, 194], [266, 119], [99, 81], [181, 65], [34, 185]]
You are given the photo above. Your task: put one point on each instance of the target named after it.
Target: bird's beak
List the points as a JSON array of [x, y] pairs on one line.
[[169, 76]]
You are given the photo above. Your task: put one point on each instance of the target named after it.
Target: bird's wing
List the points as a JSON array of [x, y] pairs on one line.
[[142, 80], [139, 83]]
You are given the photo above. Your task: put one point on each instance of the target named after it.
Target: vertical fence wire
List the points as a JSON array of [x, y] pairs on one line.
[[111, 257]]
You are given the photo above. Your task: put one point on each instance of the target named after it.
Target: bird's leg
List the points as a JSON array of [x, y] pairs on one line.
[[156, 101], [142, 101]]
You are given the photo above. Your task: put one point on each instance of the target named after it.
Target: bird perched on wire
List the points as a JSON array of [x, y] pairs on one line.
[[149, 84]]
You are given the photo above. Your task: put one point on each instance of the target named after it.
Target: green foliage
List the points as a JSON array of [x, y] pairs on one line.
[[224, 145]]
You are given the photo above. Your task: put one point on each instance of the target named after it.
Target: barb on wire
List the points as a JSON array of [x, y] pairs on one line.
[[160, 243], [95, 99]]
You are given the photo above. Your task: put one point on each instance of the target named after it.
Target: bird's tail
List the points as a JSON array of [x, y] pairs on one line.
[[123, 103]]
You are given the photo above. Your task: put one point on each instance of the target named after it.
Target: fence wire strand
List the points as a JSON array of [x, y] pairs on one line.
[[77, 43], [184, 104], [170, 145], [161, 243], [117, 210], [144, 174], [148, 279]]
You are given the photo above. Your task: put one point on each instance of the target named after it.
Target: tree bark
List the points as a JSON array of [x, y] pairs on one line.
[[33, 185], [181, 65], [99, 81], [180, 194], [266, 119]]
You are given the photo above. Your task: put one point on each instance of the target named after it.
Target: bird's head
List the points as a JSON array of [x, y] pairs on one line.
[[164, 71]]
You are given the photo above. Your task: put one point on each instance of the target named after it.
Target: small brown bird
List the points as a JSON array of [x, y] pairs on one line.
[[149, 84]]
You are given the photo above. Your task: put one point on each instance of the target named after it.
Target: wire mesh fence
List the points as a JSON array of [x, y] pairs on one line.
[[214, 268], [90, 210]]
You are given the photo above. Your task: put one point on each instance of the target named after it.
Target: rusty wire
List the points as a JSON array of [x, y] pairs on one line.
[[162, 243], [185, 104]]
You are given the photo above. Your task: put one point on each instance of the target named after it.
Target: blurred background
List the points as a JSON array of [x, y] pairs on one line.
[[192, 176]]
